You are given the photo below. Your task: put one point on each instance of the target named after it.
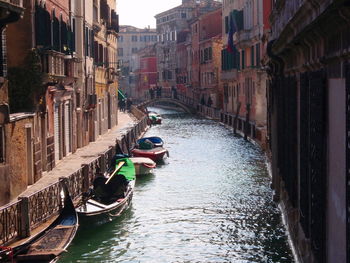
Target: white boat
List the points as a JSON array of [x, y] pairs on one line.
[[143, 165]]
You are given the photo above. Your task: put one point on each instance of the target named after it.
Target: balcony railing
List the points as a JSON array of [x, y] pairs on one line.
[[229, 75], [18, 3]]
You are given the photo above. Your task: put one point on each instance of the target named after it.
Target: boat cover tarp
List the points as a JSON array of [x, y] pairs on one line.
[[154, 139], [121, 95], [128, 169]]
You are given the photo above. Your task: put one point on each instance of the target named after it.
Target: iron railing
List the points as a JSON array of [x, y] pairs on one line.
[[10, 222], [43, 204], [19, 218], [18, 3]]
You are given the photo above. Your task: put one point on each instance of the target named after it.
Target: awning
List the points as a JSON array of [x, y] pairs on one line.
[[121, 95]]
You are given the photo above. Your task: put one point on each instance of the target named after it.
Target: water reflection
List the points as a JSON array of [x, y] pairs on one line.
[[209, 202]]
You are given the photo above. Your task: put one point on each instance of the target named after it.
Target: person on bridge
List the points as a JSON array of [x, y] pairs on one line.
[[210, 102], [151, 93]]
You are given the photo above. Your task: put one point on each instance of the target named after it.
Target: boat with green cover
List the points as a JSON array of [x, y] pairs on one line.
[[110, 196]]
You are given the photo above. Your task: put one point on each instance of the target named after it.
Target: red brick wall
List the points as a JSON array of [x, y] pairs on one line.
[[266, 13], [210, 24]]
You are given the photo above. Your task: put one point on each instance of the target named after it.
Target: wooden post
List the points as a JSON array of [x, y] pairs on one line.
[[236, 118], [102, 162], [25, 217], [86, 182], [246, 126]]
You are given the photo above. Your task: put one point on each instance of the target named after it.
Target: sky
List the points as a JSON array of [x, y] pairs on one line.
[[140, 13]]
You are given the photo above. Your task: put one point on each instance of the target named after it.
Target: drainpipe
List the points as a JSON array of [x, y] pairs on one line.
[[32, 14]]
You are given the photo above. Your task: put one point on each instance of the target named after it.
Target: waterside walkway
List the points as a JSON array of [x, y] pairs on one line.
[[87, 154]]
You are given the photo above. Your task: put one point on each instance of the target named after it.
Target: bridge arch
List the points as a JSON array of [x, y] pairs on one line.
[[179, 103]]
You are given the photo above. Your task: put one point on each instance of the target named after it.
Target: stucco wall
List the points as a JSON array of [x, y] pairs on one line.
[[17, 155], [5, 194]]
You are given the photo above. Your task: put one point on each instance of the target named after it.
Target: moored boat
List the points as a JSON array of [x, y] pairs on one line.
[[48, 245], [154, 118], [156, 141], [111, 194], [143, 165], [156, 154]]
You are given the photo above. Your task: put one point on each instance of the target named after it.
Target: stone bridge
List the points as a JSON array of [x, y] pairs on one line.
[[168, 100]]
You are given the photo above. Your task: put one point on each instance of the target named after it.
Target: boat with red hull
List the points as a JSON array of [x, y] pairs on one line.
[[156, 154]]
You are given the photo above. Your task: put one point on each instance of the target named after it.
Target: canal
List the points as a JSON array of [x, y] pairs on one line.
[[209, 202]]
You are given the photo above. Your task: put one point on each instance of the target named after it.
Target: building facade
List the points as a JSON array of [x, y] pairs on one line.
[[61, 97], [169, 24], [147, 72], [183, 63], [130, 41], [11, 130], [210, 45], [106, 66], [43, 74], [243, 78], [309, 117]]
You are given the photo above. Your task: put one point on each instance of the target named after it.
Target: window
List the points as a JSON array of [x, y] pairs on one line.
[[134, 50], [243, 59], [252, 56], [258, 55], [134, 38], [170, 74], [183, 15], [225, 93], [210, 53], [120, 52], [206, 54], [120, 39]]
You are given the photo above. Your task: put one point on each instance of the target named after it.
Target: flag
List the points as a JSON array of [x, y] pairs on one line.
[[231, 32]]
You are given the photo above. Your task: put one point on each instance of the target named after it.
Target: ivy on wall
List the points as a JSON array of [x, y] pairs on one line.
[[26, 84]]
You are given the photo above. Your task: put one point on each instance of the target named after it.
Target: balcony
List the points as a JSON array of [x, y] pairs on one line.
[[12, 3], [248, 37], [229, 75], [113, 27], [10, 11]]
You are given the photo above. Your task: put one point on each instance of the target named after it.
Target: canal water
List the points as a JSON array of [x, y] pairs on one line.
[[209, 202]]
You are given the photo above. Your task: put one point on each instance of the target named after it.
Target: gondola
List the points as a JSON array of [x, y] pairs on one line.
[[110, 196], [47, 246]]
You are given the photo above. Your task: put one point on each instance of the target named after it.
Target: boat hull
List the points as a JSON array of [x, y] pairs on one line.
[[143, 165], [96, 213], [156, 154], [48, 245]]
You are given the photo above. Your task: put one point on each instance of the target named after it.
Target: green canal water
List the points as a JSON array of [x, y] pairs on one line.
[[209, 202]]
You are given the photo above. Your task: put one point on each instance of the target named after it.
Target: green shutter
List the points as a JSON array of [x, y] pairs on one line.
[[243, 59]]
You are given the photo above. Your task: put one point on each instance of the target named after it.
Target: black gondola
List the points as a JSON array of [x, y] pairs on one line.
[[47, 246], [99, 209]]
